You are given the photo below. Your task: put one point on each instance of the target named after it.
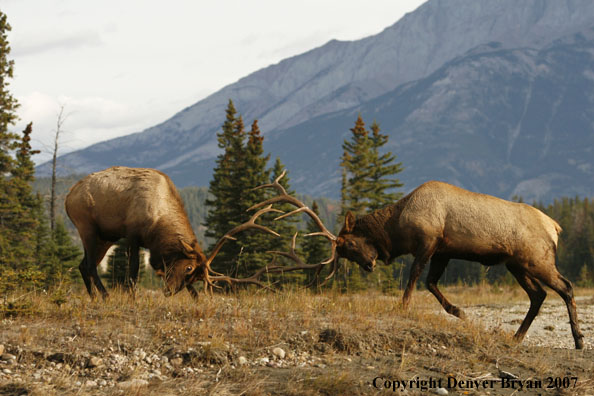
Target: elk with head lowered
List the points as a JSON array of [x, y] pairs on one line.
[[437, 222], [143, 206]]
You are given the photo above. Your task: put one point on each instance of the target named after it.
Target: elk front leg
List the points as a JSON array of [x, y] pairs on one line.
[[134, 265], [436, 269], [421, 258]]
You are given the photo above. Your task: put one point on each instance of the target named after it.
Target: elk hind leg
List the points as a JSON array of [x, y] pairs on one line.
[[95, 250], [436, 269], [535, 292], [563, 287]]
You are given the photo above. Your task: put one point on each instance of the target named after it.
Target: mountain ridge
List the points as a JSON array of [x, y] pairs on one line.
[[337, 76]]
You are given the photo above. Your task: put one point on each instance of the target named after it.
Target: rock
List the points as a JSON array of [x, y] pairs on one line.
[[102, 382], [1, 349], [90, 384], [264, 361], [164, 359], [279, 353], [242, 361], [176, 362], [441, 391], [133, 383], [7, 371], [8, 357], [94, 361]]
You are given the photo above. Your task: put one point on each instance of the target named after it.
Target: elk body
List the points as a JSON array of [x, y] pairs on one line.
[[143, 206], [438, 222]]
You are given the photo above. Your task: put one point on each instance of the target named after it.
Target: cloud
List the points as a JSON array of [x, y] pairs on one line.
[[51, 41], [87, 120]]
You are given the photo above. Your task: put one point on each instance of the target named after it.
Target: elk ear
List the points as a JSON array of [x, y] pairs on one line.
[[349, 222], [188, 249]]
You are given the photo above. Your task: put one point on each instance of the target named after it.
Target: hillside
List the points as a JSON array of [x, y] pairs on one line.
[[500, 121], [352, 75]]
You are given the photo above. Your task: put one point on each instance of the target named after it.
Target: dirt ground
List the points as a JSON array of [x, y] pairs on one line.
[[293, 344]]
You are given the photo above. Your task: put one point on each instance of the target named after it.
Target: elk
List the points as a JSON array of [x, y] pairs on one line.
[[437, 222], [143, 206]]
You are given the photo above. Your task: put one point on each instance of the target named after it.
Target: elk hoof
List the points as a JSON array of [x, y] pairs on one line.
[[579, 343], [458, 313]]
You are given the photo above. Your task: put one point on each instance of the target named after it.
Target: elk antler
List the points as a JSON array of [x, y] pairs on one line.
[[208, 273], [301, 208], [209, 276]]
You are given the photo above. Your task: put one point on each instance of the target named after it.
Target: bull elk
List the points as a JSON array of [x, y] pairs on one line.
[[143, 206], [437, 222]]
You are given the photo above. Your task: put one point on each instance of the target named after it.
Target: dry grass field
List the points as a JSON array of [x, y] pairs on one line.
[[292, 343]]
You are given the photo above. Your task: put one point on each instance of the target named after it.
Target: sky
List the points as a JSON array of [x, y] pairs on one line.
[[120, 66]]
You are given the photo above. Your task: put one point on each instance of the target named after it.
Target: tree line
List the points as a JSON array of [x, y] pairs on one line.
[[33, 254]]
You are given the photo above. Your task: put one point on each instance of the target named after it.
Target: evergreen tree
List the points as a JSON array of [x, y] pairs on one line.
[[20, 224], [225, 210], [286, 227], [315, 248], [253, 244], [8, 106], [240, 168], [118, 272], [356, 161], [58, 256], [382, 168]]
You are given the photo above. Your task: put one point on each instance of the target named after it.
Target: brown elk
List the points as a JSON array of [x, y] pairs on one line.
[[143, 206], [437, 222]]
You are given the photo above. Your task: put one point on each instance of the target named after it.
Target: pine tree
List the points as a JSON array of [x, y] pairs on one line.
[[240, 168], [315, 248], [381, 171], [286, 227], [21, 223], [356, 160], [118, 272], [224, 209], [253, 244], [8, 106]]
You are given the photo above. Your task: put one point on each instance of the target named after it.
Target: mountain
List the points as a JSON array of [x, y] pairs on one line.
[[315, 87], [500, 121]]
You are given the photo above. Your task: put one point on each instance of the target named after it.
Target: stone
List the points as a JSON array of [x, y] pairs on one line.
[[441, 391], [94, 361], [133, 383], [90, 384], [176, 362], [279, 353], [1, 349], [242, 361]]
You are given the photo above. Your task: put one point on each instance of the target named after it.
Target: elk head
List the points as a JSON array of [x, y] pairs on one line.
[[181, 270], [355, 246]]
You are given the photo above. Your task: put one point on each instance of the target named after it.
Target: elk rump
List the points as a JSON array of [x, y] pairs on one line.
[[437, 222], [143, 206]]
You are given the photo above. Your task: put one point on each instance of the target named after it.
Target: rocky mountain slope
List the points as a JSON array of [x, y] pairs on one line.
[[343, 76]]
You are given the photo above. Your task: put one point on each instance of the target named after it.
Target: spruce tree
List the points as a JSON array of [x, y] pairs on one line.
[[382, 168], [253, 244], [356, 161], [315, 248], [286, 227], [118, 272], [8, 106], [224, 209]]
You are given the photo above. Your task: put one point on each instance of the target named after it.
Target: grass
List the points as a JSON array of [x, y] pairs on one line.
[[336, 344]]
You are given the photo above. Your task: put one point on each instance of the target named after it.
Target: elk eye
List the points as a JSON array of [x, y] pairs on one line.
[[351, 244], [189, 268]]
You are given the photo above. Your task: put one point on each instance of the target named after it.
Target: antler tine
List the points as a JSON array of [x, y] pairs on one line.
[[251, 223]]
